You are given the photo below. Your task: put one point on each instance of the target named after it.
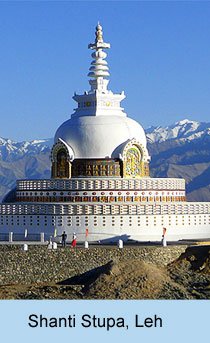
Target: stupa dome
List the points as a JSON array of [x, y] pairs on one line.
[[99, 136]]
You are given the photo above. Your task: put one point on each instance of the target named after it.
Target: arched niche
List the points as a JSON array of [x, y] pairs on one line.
[[62, 164], [135, 160], [61, 161]]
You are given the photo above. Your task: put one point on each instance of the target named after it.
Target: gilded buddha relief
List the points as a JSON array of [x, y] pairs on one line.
[[62, 164], [133, 164]]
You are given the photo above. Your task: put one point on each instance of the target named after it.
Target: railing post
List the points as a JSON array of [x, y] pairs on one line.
[[25, 247], [10, 237], [42, 237], [54, 246], [120, 244]]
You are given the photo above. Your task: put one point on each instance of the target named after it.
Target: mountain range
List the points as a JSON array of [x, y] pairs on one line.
[[178, 150]]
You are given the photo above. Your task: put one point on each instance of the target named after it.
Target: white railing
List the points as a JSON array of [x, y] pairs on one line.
[[82, 209], [78, 184]]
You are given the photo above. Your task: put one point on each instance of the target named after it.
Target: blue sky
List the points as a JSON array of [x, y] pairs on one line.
[[160, 57]]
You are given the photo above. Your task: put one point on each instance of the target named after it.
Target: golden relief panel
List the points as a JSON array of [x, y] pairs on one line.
[[133, 162], [101, 199], [96, 168]]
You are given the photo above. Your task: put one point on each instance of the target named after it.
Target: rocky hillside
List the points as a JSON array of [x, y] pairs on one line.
[[179, 150]]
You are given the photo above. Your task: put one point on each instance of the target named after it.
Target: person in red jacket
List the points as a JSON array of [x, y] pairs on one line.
[[74, 240]]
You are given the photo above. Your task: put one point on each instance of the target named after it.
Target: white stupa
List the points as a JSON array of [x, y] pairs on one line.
[[100, 181]]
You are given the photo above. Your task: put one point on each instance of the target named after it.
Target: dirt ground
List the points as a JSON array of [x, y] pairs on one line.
[[188, 277]]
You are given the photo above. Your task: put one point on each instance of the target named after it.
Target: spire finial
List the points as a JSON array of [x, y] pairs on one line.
[[99, 69], [99, 42], [99, 34]]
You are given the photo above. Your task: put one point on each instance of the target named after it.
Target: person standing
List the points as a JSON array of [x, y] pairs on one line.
[[63, 239], [74, 240], [164, 242]]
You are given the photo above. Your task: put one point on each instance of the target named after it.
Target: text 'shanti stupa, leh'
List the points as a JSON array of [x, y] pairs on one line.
[[100, 178]]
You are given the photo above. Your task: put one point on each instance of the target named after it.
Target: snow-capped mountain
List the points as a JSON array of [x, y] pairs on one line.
[[184, 130], [11, 150]]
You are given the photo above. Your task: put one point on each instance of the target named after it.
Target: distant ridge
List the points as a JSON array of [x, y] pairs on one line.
[[10, 149], [182, 130], [182, 150]]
